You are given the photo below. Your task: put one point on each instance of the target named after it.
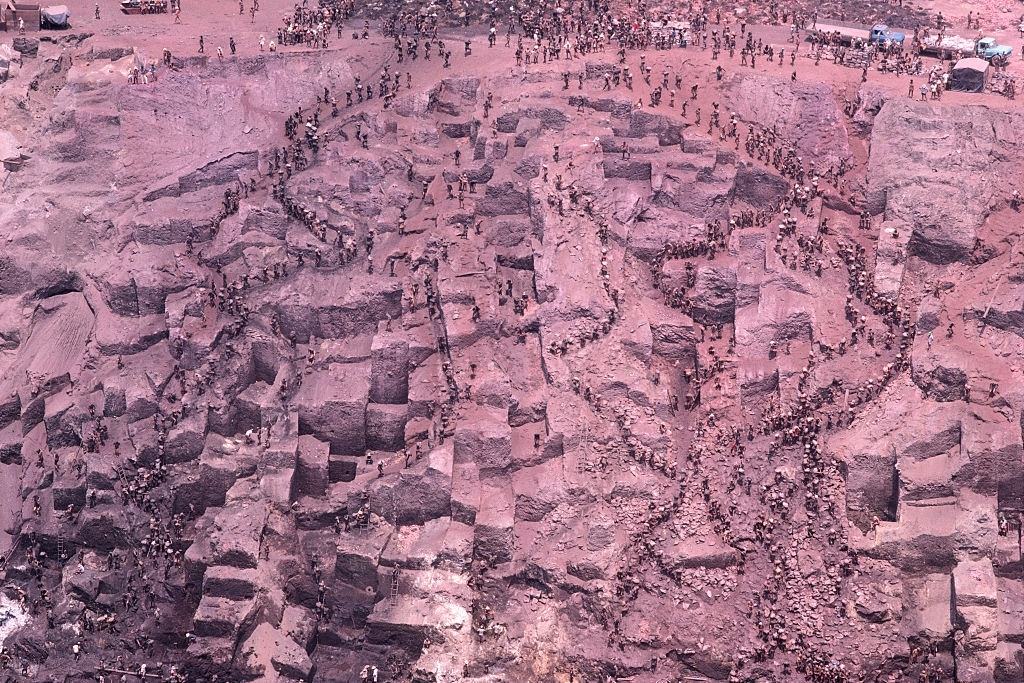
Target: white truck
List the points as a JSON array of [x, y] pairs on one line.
[[957, 47], [947, 46]]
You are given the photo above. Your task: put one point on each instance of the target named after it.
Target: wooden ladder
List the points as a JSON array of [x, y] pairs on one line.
[[10, 553], [394, 586], [583, 459]]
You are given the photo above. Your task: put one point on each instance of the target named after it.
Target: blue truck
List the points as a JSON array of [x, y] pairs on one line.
[[880, 33], [988, 49]]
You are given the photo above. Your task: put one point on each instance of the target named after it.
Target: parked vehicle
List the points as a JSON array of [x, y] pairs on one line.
[[948, 47], [988, 49], [848, 34]]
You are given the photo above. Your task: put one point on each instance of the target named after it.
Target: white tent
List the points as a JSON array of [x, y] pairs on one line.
[[56, 16]]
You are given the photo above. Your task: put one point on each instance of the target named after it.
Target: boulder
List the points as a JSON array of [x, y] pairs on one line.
[[706, 195], [68, 491], [186, 438], [484, 437], [347, 306], [643, 124], [220, 617], [220, 465], [673, 334], [385, 426], [83, 585], [250, 406], [299, 624], [714, 295], [26, 46], [453, 96], [878, 603], [332, 406], [172, 220], [11, 440], [412, 105], [494, 528], [550, 118], [473, 175], [118, 335], [103, 528], [358, 555], [757, 186], [626, 169], [232, 583], [538, 490], [1006, 311], [63, 420], [920, 176], [10, 409], [1010, 602], [417, 494], [974, 583], [461, 129], [270, 654], [1008, 664], [100, 473], [982, 633], [215, 653], [928, 615], [412, 622], [465, 496], [291, 660], [938, 374], [504, 199], [365, 176], [312, 474], [920, 429], [508, 232], [809, 116], [139, 282], [235, 538]]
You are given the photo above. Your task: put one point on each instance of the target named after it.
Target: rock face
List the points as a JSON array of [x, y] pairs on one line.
[[333, 407], [940, 171], [806, 110], [643, 410], [714, 296]]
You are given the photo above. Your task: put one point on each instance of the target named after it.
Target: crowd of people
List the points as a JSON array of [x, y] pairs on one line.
[[781, 483], [311, 27]]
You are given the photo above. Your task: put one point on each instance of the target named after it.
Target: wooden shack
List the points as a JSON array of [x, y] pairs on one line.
[[27, 11]]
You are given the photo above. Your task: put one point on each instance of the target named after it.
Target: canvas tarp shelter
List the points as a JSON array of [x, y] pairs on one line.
[[970, 75], [56, 16]]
